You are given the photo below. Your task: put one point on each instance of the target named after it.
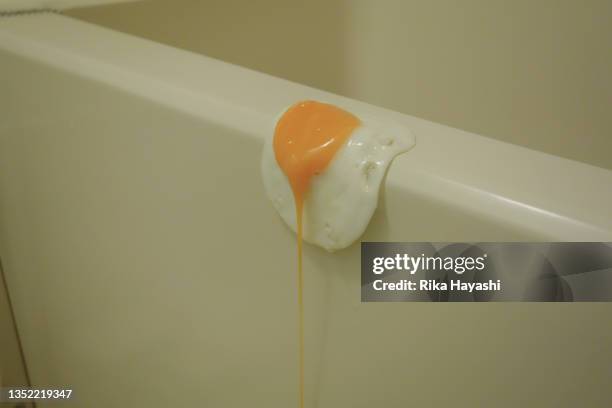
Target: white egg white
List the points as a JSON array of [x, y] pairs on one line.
[[341, 200]]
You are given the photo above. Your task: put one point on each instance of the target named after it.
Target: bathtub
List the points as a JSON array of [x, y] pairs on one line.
[[147, 268]]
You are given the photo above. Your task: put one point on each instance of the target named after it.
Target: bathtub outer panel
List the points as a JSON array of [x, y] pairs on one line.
[[131, 224]]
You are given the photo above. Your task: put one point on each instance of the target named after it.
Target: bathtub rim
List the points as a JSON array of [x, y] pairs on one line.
[[556, 197]]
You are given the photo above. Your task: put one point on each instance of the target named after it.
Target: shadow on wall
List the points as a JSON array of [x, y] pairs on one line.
[[529, 73]]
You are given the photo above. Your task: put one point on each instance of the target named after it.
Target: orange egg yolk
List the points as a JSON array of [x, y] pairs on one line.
[[306, 139]]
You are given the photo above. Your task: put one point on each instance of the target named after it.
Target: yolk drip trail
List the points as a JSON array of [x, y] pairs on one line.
[[306, 139]]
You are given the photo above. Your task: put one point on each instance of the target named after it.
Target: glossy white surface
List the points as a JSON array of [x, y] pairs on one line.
[[144, 258]]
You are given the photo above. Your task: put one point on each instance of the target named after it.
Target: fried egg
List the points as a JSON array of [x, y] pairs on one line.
[[323, 167]]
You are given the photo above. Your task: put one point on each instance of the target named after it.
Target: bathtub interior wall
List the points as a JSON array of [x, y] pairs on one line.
[[530, 73], [144, 258]]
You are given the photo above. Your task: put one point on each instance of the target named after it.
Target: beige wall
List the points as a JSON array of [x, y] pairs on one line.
[[531, 73]]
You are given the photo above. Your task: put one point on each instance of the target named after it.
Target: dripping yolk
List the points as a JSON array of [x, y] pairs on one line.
[[306, 138]]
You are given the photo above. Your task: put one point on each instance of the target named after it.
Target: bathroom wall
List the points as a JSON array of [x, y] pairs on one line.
[[530, 73]]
